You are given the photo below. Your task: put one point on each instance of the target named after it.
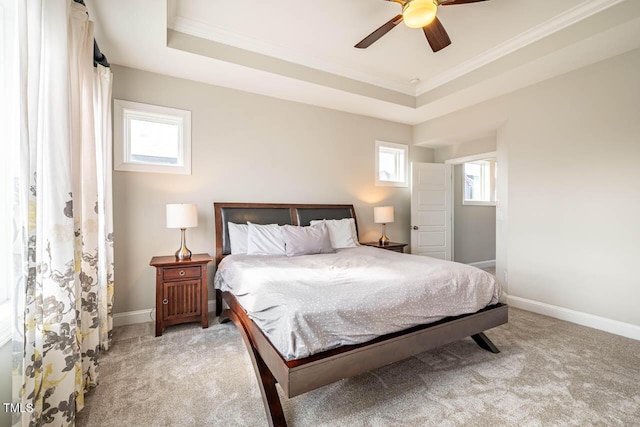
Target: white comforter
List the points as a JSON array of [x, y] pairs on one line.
[[312, 303]]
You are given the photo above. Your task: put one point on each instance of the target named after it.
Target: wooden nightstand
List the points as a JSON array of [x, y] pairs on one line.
[[391, 246], [181, 290]]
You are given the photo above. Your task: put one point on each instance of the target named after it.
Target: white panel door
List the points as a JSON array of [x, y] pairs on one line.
[[431, 213]]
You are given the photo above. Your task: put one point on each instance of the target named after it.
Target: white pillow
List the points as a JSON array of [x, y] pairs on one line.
[[238, 237], [342, 232], [265, 240], [306, 240]]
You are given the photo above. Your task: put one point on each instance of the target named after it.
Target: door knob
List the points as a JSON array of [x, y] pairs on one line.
[[415, 227]]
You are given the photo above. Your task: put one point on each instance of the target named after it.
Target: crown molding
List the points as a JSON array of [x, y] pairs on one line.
[[557, 23], [221, 35]]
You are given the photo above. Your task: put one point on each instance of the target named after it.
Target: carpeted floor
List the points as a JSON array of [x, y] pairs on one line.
[[549, 373]]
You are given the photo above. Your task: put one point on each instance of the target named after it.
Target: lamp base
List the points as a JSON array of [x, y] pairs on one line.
[[383, 240], [183, 253]]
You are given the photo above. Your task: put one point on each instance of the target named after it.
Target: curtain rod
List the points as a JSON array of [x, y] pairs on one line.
[[98, 56]]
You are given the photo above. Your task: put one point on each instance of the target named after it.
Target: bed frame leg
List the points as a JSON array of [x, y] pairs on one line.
[[218, 302], [270, 398], [484, 342], [266, 380]]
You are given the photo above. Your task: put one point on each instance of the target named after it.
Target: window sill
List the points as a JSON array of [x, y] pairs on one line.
[[391, 184], [151, 168], [475, 203]]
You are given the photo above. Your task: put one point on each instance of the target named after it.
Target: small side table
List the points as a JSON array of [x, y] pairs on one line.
[[181, 290], [391, 246]]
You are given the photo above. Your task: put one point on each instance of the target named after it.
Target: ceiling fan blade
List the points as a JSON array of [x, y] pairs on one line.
[[454, 2], [373, 37], [436, 35]]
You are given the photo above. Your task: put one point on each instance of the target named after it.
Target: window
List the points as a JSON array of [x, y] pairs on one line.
[[391, 164], [149, 138], [479, 180]]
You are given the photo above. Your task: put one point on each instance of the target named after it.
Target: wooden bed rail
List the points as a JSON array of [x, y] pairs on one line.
[[302, 375]]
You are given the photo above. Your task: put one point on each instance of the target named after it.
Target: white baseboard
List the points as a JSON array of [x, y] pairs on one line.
[[142, 316], [132, 317], [585, 319], [484, 264]]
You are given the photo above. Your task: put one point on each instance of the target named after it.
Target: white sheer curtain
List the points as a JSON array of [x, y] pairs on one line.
[[62, 213], [104, 166]]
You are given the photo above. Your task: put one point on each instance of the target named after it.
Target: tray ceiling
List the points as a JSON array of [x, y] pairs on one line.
[[303, 50]]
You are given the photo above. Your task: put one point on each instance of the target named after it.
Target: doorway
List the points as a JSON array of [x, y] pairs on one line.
[[474, 210]]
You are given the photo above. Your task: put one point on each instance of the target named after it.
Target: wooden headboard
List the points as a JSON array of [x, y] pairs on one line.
[[270, 213]]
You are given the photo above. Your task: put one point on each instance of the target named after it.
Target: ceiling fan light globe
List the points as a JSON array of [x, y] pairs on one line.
[[418, 13]]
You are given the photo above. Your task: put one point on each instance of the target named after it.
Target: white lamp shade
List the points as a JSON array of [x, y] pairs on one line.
[[182, 216], [383, 214]]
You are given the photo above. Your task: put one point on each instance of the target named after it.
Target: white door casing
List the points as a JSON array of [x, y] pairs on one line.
[[431, 211]]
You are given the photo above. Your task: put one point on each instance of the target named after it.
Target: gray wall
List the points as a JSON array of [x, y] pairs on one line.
[[568, 188], [474, 230], [5, 382], [245, 148]]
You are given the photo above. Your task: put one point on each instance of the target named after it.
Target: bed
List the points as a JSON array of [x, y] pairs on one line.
[[305, 367]]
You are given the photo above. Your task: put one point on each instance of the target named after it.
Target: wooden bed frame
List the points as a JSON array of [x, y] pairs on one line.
[[299, 376]]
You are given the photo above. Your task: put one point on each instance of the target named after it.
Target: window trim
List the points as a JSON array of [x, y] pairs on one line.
[[492, 155], [395, 146], [492, 185], [123, 111]]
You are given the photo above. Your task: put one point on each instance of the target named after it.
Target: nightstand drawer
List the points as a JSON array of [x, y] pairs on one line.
[[180, 273]]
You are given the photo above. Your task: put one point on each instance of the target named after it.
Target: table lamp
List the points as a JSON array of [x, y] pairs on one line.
[[383, 215], [182, 216]]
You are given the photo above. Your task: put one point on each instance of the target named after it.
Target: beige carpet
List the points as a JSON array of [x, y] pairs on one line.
[[549, 373]]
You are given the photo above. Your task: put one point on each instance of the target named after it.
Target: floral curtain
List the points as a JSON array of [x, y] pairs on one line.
[[63, 256]]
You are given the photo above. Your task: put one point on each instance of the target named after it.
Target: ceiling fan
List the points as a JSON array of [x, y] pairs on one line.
[[418, 14]]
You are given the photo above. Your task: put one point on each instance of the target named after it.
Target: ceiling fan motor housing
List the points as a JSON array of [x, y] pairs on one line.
[[418, 13]]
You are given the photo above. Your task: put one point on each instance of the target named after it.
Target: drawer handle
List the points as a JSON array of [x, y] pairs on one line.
[[165, 301], [182, 273]]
